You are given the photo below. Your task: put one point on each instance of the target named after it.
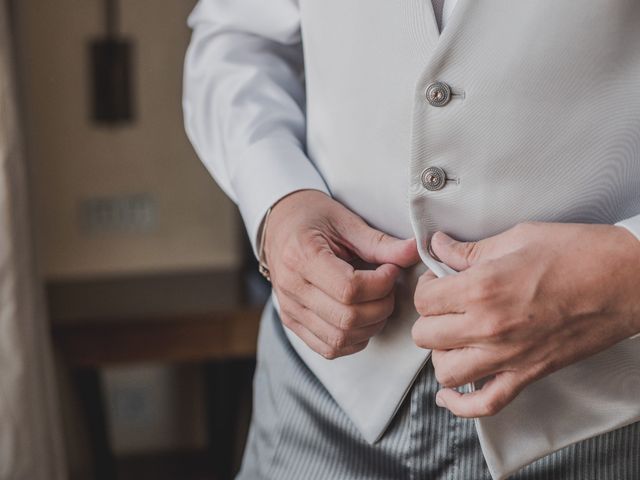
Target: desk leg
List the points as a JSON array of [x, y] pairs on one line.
[[89, 389], [226, 384]]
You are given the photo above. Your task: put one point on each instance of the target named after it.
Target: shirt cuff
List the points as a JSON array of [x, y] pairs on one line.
[[268, 171], [632, 224]]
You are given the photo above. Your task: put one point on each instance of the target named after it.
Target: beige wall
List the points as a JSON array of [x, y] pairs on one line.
[[73, 159]]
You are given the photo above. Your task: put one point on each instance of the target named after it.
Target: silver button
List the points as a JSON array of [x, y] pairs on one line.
[[433, 178], [438, 94]]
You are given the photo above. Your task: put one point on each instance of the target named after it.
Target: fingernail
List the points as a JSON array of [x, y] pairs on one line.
[[439, 401]]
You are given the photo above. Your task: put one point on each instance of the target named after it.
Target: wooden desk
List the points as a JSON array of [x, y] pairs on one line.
[[221, 335], [177, 318]]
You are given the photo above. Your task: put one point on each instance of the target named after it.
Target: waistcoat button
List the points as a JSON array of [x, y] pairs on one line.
[[433, 178], [438, 94]]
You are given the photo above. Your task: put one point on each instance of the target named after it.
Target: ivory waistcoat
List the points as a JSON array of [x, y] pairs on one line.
[[543, 124]]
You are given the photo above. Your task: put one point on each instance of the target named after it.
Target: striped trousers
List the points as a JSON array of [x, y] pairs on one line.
[[299, 433]]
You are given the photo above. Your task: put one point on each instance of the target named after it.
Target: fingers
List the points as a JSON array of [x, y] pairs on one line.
[[442, 332], [455, 368], [334, 308], [343, 283], [487, 401], [439, 296], [378, 247], [462, 255], [458, 255], [323, 337], [317, 345], [344, 317]]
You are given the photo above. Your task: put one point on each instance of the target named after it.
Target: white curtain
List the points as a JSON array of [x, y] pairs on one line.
[[30, 439]]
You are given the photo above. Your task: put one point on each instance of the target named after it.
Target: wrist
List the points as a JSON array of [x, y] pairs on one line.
[[275, 217]]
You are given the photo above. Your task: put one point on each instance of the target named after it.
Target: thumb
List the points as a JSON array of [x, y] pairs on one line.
[[377, 247], [457, 255]]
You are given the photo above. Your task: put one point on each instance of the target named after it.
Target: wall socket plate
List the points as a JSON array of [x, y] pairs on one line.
[[154, 408], [134, 213]]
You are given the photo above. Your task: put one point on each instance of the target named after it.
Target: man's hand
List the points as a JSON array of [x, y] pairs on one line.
[[313, 246], [527, 302]]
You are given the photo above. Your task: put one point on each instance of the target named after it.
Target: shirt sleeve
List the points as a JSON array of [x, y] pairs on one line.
[[244, 101]]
